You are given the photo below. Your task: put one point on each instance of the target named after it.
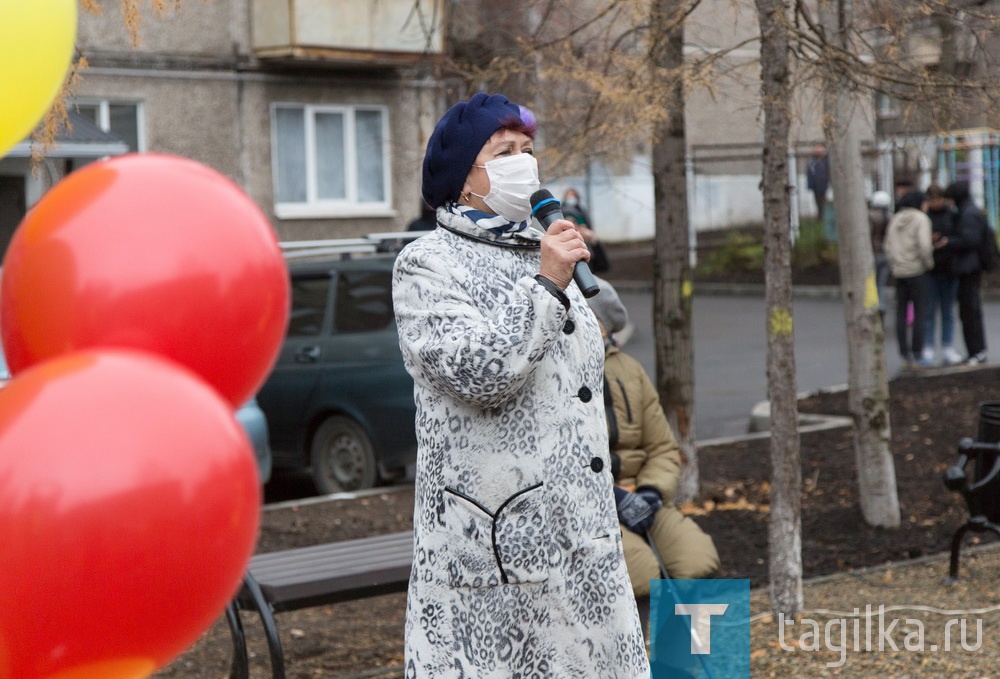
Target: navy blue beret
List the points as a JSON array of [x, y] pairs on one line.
[[457, 140]]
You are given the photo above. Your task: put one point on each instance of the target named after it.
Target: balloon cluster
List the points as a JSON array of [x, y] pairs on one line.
[[142, 299]]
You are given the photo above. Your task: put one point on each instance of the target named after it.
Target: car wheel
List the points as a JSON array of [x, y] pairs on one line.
[[342, 457]]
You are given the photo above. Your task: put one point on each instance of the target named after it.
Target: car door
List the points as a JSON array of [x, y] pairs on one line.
[[369, 382], [292, 385]]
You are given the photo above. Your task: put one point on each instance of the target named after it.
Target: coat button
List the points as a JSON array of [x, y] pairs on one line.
[[596, 464], [569, 327], [584, 394]]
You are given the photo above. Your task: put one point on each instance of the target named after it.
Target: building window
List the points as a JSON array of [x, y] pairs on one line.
[[887, 107], [330, 161], [121, 119]]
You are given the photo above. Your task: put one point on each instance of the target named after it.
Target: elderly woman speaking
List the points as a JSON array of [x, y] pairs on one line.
[[518, 567]]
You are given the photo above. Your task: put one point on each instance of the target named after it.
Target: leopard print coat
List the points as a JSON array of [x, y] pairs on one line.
[[518, 567]]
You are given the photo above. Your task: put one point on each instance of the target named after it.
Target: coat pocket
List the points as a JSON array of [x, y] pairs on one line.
[[508, 545]]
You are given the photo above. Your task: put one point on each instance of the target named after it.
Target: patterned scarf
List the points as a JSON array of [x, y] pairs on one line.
[[495, 224]]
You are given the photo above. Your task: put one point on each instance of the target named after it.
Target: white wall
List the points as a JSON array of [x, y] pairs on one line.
[[622, 209]]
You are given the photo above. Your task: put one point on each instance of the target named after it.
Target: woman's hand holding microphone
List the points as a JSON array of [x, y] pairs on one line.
[[562, 248]]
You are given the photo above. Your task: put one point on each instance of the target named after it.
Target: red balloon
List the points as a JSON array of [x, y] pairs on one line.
[[129, 508], [149, 252]]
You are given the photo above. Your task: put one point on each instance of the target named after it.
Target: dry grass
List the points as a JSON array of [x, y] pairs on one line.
[[913, 593]]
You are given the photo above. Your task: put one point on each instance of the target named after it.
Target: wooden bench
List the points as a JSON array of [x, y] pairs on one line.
[[300, 578]]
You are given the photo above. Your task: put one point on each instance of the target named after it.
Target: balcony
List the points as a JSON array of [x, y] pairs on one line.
[[347, 32]]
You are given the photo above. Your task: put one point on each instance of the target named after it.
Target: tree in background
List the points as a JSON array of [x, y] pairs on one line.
[[868, 392], [785, 522], [937, 58], [672, 280]]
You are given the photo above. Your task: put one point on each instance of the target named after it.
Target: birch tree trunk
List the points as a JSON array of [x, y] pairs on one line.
[[868, 386], [671, 264], [785, 527]]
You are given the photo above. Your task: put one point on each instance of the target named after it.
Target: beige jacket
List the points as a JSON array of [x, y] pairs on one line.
[[908, 243], [646, 445]]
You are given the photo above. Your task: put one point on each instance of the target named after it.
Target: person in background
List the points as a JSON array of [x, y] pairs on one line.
[[518, 567], [911, 255], [818, 178], [426, 221], [878, 218], [971, 228], [574, 211], [903, 186], [942, 283], [646, 463]]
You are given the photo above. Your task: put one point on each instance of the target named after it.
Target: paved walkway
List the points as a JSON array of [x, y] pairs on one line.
[[731, 348]]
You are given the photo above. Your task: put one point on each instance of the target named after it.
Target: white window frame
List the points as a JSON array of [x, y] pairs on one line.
[[886, 106], [314, 207], [104, 116]]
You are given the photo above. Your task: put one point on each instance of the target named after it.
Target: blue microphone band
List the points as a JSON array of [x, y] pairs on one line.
[[535, 208]]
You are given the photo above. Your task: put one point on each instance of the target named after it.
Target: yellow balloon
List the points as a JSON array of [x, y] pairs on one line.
[[36, 44]]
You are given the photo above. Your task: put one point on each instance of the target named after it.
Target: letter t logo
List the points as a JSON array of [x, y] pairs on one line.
[[701, 624]]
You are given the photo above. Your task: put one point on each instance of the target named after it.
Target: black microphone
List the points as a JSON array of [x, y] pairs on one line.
[[546, 210]]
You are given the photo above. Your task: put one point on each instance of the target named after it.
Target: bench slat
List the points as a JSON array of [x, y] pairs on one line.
[[334, 558], [348, 550], [340, 571], [297, 572]]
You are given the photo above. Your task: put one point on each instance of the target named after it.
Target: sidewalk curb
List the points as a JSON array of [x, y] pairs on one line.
[[320, 499], [760, 420], [807, 424], [760, 414], [969, 550], [735, 289]]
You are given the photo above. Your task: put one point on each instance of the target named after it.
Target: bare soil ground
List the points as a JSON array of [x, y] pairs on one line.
[[930, 412]]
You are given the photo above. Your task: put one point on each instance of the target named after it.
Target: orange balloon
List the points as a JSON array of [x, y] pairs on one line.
[[135, 668], [129, 508], [149, 252]]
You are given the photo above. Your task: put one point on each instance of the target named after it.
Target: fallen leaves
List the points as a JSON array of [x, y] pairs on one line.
[[738, 505]]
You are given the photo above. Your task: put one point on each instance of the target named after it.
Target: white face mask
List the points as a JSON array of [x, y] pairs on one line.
[[512, 181]]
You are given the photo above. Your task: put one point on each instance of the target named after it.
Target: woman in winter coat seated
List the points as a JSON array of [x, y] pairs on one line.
[[649, 464]]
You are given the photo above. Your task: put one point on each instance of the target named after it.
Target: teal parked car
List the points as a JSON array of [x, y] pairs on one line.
[[339, 400]]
